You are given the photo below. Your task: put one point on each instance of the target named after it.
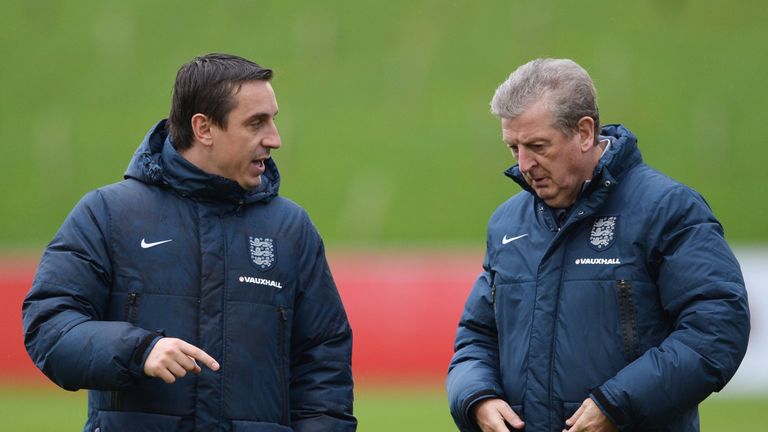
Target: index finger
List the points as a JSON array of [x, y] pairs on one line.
[[198, 354]]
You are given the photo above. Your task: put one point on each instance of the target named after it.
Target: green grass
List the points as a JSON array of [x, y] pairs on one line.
[[387, 139], [35, 409]]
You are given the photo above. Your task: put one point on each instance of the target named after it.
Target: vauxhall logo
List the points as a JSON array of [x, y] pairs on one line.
[[604, 261], [259, 281]]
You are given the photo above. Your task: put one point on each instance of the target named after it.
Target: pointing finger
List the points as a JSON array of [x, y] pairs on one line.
[[197, 354]]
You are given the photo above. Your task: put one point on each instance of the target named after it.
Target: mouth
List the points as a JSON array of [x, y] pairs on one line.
[[537, 182], [259, 164]]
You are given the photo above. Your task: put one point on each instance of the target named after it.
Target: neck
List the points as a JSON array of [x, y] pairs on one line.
[[195, 156], [597, 153]]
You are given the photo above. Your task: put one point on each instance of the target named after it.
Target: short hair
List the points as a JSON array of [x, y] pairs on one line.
[[564, 86], [206, 85]]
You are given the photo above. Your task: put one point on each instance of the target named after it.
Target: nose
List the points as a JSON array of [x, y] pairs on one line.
[[525, 160], [272, 139]]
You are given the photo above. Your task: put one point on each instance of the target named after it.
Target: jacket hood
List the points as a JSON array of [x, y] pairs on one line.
[[622, 155], [157, 162]]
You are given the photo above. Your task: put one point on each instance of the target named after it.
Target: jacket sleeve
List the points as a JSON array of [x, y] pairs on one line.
[[703, 294], [321, 347], [62, 312], [473, 374]]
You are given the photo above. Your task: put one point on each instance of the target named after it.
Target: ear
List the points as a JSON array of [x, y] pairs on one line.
[[201, 128], [585, 128]]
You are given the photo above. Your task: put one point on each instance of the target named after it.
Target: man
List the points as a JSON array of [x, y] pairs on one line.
[[193, 263], [609, 298]]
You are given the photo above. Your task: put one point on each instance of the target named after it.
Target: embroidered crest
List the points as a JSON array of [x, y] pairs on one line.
[[603, 233], [262, 252]]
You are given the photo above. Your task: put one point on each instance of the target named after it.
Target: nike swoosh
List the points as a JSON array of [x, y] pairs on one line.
[[145, 245], [506, 240]]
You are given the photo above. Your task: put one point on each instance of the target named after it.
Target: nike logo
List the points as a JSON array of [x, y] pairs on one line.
[[506, 240], [145, 245]]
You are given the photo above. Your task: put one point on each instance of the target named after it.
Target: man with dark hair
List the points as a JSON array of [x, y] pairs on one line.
[[609, 299], [193, 263]]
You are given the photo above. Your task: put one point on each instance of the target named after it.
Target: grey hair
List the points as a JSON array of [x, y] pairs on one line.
[[564, 87]]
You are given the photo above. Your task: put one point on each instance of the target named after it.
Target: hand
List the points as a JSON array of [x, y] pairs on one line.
[[589, 418], [172, 358], [494, 415]]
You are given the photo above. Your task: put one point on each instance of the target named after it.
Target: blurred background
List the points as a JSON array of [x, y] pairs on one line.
[[388, 143]]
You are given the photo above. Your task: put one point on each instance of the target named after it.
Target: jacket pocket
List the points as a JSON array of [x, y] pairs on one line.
[[627, 320], [124, 421], [131, 309]]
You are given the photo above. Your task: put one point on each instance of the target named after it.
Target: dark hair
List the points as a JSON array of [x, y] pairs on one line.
[[206, 85]]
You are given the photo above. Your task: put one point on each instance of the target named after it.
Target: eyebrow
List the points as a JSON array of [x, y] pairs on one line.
[[259, 116], [530, 141]]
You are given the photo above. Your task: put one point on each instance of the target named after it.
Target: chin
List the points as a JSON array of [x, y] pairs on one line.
[[251, 183], [551, 201]]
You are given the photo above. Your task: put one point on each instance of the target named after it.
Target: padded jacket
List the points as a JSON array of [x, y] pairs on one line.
[[635, 300], [173, 251]]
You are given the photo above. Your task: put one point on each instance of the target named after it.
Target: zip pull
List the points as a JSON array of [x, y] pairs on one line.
[[132, 307], [283, 313]]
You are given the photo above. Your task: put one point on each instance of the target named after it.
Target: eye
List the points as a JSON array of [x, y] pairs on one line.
[[538, 148]]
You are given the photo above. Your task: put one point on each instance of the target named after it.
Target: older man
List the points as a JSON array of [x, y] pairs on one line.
[[609, 299]]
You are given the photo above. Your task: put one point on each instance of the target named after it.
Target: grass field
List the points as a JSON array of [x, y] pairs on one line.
[[30, 409], [387, 138]]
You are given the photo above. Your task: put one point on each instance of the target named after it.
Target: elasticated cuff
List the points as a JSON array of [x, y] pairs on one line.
[[614, 414]]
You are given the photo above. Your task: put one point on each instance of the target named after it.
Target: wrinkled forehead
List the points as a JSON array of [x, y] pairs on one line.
[[535, 121]]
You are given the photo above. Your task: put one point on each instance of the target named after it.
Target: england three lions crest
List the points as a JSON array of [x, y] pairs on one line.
[[262, 252], [603, 233]]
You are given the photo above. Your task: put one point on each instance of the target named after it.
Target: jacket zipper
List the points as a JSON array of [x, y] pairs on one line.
[[282, 318], [493, 292], [627, 320], [130, 315], [493, 298]]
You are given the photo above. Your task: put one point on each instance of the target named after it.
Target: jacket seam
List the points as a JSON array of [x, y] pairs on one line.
[[108, 241], [550, 381]]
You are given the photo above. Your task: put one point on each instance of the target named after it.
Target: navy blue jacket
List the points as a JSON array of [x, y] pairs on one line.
[[242, 275], [635, 300]]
